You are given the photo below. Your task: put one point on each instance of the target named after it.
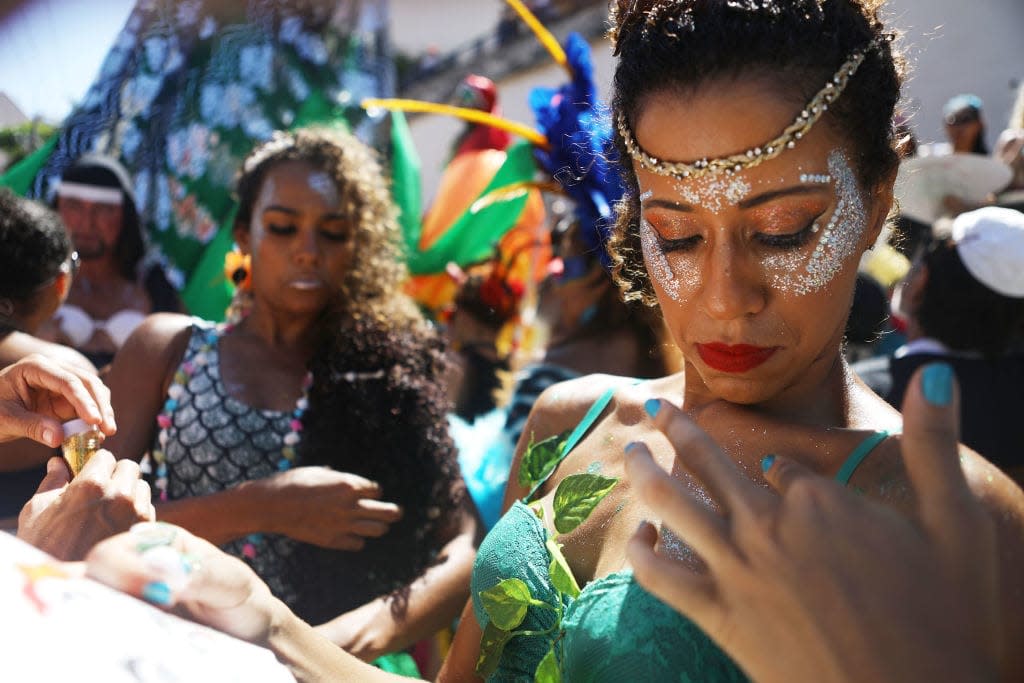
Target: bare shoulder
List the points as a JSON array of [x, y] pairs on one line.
[[18, 345], [562, 406], [1000, 494]]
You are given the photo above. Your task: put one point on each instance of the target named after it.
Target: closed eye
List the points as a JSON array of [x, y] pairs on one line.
[[281, 229], [679, 243], [789, 241], [330, 236]]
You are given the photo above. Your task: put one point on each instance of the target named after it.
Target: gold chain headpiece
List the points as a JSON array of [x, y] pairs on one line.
[[735, 163]]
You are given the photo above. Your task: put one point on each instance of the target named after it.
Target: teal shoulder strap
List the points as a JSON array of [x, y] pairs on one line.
[[577, 434], [858, 455]]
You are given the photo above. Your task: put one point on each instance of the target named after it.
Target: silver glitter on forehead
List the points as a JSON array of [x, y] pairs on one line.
[[323, 185], [713, 193], [837, 241]]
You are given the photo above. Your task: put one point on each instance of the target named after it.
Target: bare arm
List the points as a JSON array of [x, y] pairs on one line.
[[434, 600], [139, 377]]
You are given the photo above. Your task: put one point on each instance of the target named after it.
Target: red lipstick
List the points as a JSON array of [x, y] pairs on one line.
[[734, 357]]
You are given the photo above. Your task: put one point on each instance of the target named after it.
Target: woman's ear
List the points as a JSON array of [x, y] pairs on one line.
[[241, 234], [62, 285], [881, 204]]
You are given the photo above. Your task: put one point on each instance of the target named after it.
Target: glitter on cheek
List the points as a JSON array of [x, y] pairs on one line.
[[323, 185], [678, 277], [793, 272]]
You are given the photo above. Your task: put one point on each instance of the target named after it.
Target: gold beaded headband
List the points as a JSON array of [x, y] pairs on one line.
[[735, 163]]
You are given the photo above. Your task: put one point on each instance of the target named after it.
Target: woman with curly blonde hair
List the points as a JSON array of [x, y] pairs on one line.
[[281, 435]]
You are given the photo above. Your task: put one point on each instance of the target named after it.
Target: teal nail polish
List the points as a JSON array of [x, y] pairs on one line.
[[157, 592], [937, 384], [632, 447], [652, 406], [767, 462]]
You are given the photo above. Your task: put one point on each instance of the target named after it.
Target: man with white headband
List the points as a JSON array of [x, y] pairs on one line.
[[111, 296], [963, 301]]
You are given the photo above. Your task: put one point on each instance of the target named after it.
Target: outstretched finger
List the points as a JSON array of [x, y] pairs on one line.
[[706, 460], [703, 528], [21, 423], [782, 473], [931, 428], [671, 580], [379, 510]]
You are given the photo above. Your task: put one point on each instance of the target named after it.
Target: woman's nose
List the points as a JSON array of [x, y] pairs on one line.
[[733, 288], [305, 248]]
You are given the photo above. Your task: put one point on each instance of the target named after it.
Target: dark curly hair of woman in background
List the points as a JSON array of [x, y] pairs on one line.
[[378, 403]]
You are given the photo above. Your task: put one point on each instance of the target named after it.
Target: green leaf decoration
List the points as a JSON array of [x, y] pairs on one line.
[[576, 497], [561, 575], [492, 643], [540, 459], [547, 670], [506, 603]]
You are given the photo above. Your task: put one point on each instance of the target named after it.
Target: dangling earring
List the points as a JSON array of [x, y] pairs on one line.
[[238, 270]]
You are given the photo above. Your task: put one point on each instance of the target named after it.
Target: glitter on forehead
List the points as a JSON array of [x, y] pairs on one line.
[[713, 193], [837, 241], [323, 185]]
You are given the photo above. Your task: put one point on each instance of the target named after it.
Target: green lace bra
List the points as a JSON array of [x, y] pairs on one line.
[[614, 630]]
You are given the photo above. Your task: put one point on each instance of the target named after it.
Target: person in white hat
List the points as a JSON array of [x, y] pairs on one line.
[[963, 302]]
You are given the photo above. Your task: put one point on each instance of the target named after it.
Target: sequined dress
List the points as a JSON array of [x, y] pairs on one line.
[[213, 442]]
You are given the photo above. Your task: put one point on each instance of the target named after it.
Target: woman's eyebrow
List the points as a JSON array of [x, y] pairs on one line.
[[772, 195], [283, 209], [670, 204]]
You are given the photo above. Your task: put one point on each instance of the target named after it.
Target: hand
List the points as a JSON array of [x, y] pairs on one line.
[[170, 567], [66, 518], [37, 394], [818, 583], [363, 632], [327, 508]]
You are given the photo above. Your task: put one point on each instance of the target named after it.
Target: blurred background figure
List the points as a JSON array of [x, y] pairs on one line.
[[1010, 150], [115, 288], [965, 127], [868, 319], [963, 303], [37, 265]]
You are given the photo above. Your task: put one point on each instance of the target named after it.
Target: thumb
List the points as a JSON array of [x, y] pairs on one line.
[[19, 423], [57, 476]]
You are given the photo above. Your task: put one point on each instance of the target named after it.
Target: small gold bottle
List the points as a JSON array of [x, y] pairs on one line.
[[81, 441]]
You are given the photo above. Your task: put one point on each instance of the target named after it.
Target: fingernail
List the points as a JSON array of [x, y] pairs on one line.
[[937, 384], [169, 565], [631, 447], [157, 592], [652, 406], [767, 462], [48, 436]]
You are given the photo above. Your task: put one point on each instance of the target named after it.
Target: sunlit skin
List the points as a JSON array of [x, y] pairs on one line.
[[734, 300], [300, 240], [94, 226], [803, 401]]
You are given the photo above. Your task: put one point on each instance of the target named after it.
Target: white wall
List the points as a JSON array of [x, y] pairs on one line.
[[960, 46]]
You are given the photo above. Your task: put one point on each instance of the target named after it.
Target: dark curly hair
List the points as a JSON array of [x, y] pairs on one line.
[[33, 246], [677, 45], [377, 407], [952, 296]]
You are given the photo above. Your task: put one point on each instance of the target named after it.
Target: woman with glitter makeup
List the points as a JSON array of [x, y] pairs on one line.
[[757, 148], [280, 437]]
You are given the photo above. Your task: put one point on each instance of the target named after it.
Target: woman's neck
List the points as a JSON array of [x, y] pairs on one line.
[[821, 396], [292, 334]]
